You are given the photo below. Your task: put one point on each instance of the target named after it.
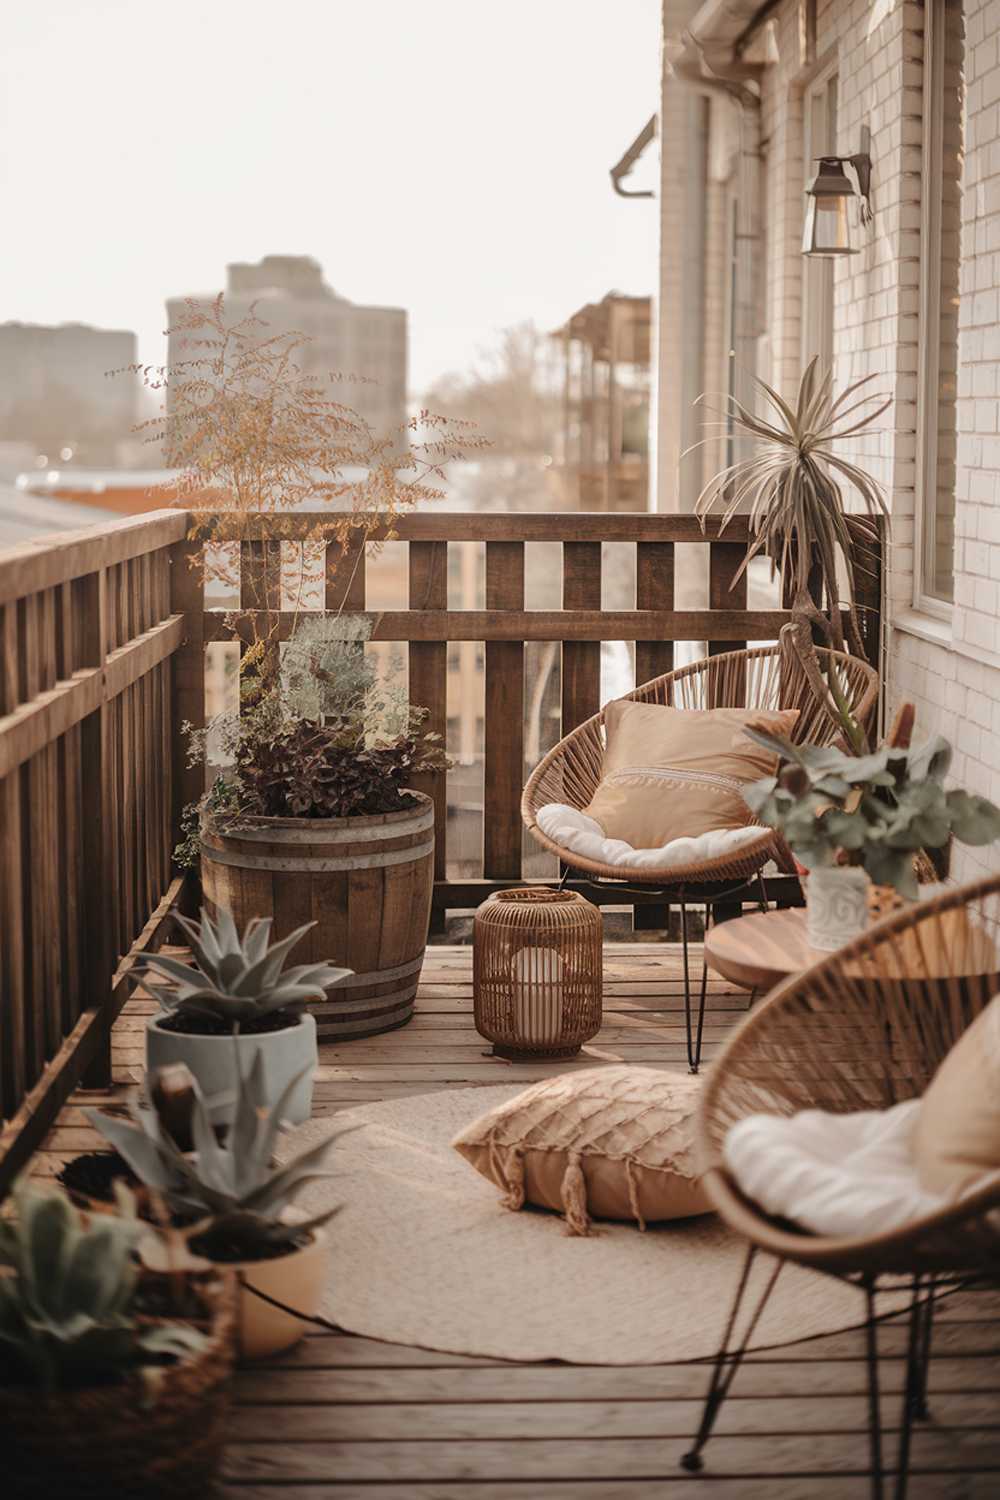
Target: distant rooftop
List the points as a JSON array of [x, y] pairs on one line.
[[293, 275], [92, 481], [56, 328], [24, 516]]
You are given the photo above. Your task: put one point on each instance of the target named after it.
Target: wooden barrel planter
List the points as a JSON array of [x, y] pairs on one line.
[[367, 884]]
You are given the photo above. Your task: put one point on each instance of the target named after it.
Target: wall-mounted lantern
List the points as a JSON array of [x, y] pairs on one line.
[[839, 179]]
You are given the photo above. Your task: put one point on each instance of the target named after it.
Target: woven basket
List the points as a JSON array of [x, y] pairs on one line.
[[125, 1439], [537, 972]]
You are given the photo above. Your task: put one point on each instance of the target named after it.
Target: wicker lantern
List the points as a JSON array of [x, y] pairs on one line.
[[537, 981]]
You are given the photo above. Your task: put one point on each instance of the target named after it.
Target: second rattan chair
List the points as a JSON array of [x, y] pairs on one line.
[[863, 1029], [764, 677]]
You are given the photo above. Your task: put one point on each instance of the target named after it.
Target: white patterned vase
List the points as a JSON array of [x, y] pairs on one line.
[[836, 906]]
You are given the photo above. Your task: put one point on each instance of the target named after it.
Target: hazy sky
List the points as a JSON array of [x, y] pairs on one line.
[[448, 156]]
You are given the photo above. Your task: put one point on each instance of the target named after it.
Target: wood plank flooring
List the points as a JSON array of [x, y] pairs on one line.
[[354, 1419]]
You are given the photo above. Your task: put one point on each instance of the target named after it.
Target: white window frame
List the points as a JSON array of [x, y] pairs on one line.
[[929, 331]]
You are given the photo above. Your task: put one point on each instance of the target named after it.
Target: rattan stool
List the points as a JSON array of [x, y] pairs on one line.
[[537, 972]]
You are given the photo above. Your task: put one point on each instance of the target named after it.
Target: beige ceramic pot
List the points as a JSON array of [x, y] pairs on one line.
[[297, 1281]]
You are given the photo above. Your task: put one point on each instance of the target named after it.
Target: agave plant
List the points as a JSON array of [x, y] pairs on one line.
[[66, 1298], [877, 811], [791, 490], [236, 979], [234, 1191]]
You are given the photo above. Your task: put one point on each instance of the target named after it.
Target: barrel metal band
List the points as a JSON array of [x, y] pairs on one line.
[[333, 1030], [374, 1005], [241, 861], [323, 834], [379, 976]]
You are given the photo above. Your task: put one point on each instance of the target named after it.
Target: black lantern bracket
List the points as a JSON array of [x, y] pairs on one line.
[[861, 165]]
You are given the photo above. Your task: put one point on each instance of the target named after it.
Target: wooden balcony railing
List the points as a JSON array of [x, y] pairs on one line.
[[103, 640]]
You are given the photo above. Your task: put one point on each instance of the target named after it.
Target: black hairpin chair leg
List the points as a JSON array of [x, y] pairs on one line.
[[729, 1359]]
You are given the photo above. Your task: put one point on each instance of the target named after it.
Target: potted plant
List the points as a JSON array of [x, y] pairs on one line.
[[106, 1372], [312, 818], [235, 1204], [236, 1000], [790, 488], [851, 820], [316, 814]]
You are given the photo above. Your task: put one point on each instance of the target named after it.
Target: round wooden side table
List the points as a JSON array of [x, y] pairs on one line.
[[760, 950]]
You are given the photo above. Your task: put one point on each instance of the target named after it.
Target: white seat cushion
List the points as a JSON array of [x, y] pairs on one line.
[[839, 1175], [579, 834]]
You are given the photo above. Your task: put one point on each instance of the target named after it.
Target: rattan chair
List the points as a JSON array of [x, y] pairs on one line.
[[863, 1029], [764, 677]]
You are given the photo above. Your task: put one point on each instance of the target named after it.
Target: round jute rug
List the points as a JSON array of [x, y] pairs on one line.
[[423, 1253]]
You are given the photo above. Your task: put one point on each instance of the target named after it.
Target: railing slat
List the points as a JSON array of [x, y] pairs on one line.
[[13, 1051], [428, 580], [346, 582], [504, 717], [581, 660], [868, 597], [260, 591], [654, 589], [515, 625], [187, 598], [726, 592], [99, 845], [512, 526]]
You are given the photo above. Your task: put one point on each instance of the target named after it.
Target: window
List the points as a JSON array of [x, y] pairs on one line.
[[819, 139], [940, 266]]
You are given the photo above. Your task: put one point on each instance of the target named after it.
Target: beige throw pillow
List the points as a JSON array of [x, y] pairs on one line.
[[957, 1135], [672, 773], [615, 1142]]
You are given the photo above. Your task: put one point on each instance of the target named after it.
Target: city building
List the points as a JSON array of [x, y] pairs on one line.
[[347, 339], [603, 462], [56, 395]]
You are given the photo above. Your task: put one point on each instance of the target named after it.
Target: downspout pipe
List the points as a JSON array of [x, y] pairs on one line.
[[712, 70]]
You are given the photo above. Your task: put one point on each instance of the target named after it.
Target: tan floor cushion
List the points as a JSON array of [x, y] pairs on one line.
[[957, 1136], [671, 773], [613, 1142]]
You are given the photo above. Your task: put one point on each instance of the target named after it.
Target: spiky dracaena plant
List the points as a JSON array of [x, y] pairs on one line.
[[237, 979], [66, 1298], [234, 1191], [791, 490]]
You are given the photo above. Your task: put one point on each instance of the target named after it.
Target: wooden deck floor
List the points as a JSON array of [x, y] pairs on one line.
[[354, 1419]]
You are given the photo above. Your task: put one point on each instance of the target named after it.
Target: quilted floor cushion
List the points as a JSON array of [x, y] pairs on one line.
[[573, 830], [612, 1142]]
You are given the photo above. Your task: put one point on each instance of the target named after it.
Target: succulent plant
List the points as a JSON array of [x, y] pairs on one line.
[[234, 1191], [67, 1294], [878, 811], [237, 979]]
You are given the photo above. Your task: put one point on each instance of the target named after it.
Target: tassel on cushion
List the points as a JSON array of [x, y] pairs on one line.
[[633, 1193], [574, 1197], [507, 1170]]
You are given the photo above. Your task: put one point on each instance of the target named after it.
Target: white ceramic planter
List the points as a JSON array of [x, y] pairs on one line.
[[212, 1060], [298, 1281], [836, 906]]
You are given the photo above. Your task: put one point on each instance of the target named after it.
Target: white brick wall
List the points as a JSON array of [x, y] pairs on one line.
[[878, 45]]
